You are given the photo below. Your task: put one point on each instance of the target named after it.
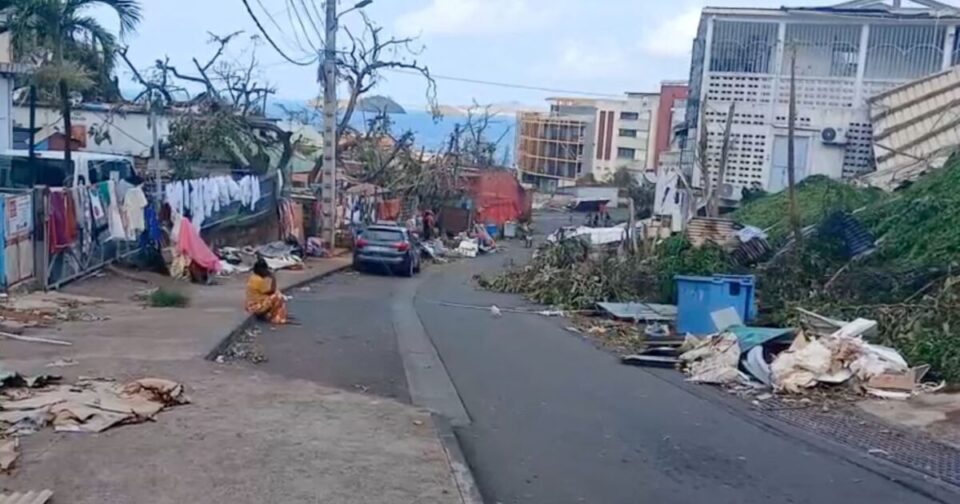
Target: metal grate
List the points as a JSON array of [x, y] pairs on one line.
[[824, 50], [903, 51], [858, 158], [911, 450], [743, 47]]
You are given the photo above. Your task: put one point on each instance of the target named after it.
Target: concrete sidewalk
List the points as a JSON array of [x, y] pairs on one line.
[[247, 437]]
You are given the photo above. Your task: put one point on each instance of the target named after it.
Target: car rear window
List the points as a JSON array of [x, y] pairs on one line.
[[387, 235]]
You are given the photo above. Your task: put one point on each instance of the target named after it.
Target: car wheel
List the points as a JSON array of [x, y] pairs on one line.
[[419, 266], [357, 265], [408, 268]]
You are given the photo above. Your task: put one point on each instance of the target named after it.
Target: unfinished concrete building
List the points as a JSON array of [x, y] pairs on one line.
[[581, 136]]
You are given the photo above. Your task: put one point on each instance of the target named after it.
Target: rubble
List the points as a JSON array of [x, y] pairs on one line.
[[742, 354], [90, 405], [244, 347]]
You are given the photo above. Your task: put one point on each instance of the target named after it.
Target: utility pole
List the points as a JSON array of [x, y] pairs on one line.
[[791, 164], [328, 186], [154, 125], [702, 146], [32, 148], [713, 210]]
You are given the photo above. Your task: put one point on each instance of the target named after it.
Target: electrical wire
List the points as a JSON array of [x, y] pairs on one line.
[[276, 25], [291, 9], [506, 84], [320, 33], [273, 44]]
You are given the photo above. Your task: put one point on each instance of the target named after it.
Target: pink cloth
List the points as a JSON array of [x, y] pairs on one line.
[[191, 245]]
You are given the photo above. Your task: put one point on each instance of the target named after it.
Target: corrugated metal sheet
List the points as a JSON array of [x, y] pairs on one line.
[[752, 252], [703, 230], [915, 122], [31, 497], [647, 312]]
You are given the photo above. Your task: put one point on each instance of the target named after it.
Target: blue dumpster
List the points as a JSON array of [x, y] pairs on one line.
[[698, 297]]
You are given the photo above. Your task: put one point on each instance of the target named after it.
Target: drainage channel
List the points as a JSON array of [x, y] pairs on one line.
[[915, 451]]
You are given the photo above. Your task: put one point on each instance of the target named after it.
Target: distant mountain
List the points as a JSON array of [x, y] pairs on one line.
[[375, 104], [431, 133]]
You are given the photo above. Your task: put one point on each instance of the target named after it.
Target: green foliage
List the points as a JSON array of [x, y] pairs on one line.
[[162, 298], [817, 197], [216, 135], [677, 256], [65, 36], [919, 225], [570, 275]]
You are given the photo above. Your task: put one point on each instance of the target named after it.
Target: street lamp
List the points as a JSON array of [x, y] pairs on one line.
[[328, 189]]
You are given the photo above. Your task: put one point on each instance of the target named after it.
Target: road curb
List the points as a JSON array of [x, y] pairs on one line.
[[459, 468], [248, 321]]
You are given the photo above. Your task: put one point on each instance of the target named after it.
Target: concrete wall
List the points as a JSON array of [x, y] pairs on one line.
[[129, 132]]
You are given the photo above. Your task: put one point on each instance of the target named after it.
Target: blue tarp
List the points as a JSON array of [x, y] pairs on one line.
[[749, 337]]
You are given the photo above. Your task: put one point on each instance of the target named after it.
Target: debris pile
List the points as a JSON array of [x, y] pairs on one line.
[[244, 347], [763, 358], [29, 404]]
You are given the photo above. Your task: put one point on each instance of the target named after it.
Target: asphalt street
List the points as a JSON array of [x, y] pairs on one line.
[[552, 418]]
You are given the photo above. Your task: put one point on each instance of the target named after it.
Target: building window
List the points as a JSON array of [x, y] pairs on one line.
[[631, 133], [629, 116], [743, 47], [624, 153]]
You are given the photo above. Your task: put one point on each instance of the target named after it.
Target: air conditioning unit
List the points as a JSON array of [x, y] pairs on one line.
[[833, 136], [728, 191]]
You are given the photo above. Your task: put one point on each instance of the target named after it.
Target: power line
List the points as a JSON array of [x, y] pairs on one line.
[[276, 24], [293, 27], [270, 40], [506, 84], [313, 23], [303, 27]]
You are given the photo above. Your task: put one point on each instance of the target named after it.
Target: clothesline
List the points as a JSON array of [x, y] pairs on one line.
[[91, 212], [201, 198]]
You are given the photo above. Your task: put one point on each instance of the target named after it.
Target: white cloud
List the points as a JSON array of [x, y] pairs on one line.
[[469, 17], [586, 61], [673, 37]]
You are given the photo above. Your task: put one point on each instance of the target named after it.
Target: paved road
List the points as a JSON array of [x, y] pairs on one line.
[[553, 419]]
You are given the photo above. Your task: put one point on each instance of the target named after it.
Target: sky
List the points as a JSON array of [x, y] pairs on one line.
[[602, 47]]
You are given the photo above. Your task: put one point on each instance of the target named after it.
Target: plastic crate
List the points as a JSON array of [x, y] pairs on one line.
[[698, 297]]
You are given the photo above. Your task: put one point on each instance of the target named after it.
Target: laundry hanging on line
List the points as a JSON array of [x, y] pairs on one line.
[[201, 198]]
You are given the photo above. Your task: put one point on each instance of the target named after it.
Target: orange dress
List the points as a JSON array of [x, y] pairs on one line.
[[264, 304]]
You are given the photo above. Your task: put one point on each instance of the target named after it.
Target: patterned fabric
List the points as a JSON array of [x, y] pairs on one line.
[[272, 308], [263, 303]]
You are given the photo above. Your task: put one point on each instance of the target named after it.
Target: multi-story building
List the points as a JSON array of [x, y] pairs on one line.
[[841, 55], [580, 136], [671, 113]]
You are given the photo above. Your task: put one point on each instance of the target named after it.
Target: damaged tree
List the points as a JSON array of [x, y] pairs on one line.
[[53, 31], [223, 122], [360, 66]]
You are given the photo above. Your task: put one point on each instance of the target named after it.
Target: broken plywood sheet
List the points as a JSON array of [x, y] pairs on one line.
[[92, 405], [31, 497], [914, 125]]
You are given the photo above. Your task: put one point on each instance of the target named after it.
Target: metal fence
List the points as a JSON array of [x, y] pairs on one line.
[[17, 227], [92, 250]]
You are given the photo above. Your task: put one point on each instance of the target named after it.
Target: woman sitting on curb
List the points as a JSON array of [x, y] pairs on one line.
[[263, 299]]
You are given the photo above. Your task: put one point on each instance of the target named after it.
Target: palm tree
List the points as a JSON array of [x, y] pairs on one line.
[[56, 29]]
